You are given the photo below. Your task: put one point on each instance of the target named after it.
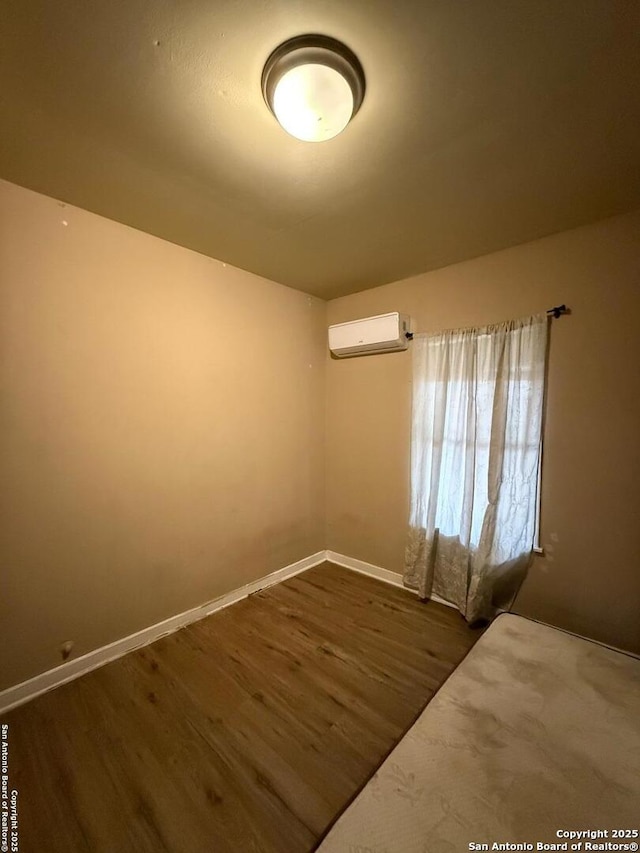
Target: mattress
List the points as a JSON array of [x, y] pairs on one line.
[[533, 741]]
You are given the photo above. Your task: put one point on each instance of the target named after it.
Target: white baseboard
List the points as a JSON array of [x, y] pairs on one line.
[[395, 579], [27, 690], [379, 573]]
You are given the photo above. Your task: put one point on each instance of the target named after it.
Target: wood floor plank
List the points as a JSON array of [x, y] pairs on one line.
[[248, 731]]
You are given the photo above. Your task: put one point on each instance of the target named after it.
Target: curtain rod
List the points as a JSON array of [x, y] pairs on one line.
[[558, 311], [555, 312]]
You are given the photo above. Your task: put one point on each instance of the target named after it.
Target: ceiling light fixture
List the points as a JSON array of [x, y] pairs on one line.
[[314, 85]]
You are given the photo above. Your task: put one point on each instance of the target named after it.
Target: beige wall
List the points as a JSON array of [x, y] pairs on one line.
[[163, 416], [589, 580], [161, 431]]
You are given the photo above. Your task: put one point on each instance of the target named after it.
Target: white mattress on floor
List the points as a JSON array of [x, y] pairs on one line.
[[536, 733]]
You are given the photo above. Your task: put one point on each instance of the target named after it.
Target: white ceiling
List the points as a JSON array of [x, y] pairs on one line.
[[486, 123]]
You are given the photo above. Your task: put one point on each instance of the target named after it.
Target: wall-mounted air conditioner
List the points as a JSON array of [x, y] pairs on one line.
[[384, 333]]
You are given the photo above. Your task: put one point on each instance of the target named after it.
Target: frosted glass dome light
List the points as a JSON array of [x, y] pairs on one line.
[[313, 102], [314, 86]]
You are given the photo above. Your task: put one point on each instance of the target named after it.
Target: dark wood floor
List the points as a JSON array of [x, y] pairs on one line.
[[248, 731]]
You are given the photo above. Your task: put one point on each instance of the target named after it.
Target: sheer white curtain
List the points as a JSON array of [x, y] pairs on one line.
[[475, 444]]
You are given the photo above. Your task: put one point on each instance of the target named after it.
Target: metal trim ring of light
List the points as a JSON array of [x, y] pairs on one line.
[[313, 85]]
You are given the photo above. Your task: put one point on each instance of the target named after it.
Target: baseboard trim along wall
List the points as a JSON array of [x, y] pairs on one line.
[[27, 690], [395, 579], [385, 575]]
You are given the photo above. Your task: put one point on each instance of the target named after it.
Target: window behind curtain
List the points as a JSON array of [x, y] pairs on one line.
[[476, 431]]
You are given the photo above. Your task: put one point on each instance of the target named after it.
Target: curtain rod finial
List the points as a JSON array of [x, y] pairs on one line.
[[558, 311]]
